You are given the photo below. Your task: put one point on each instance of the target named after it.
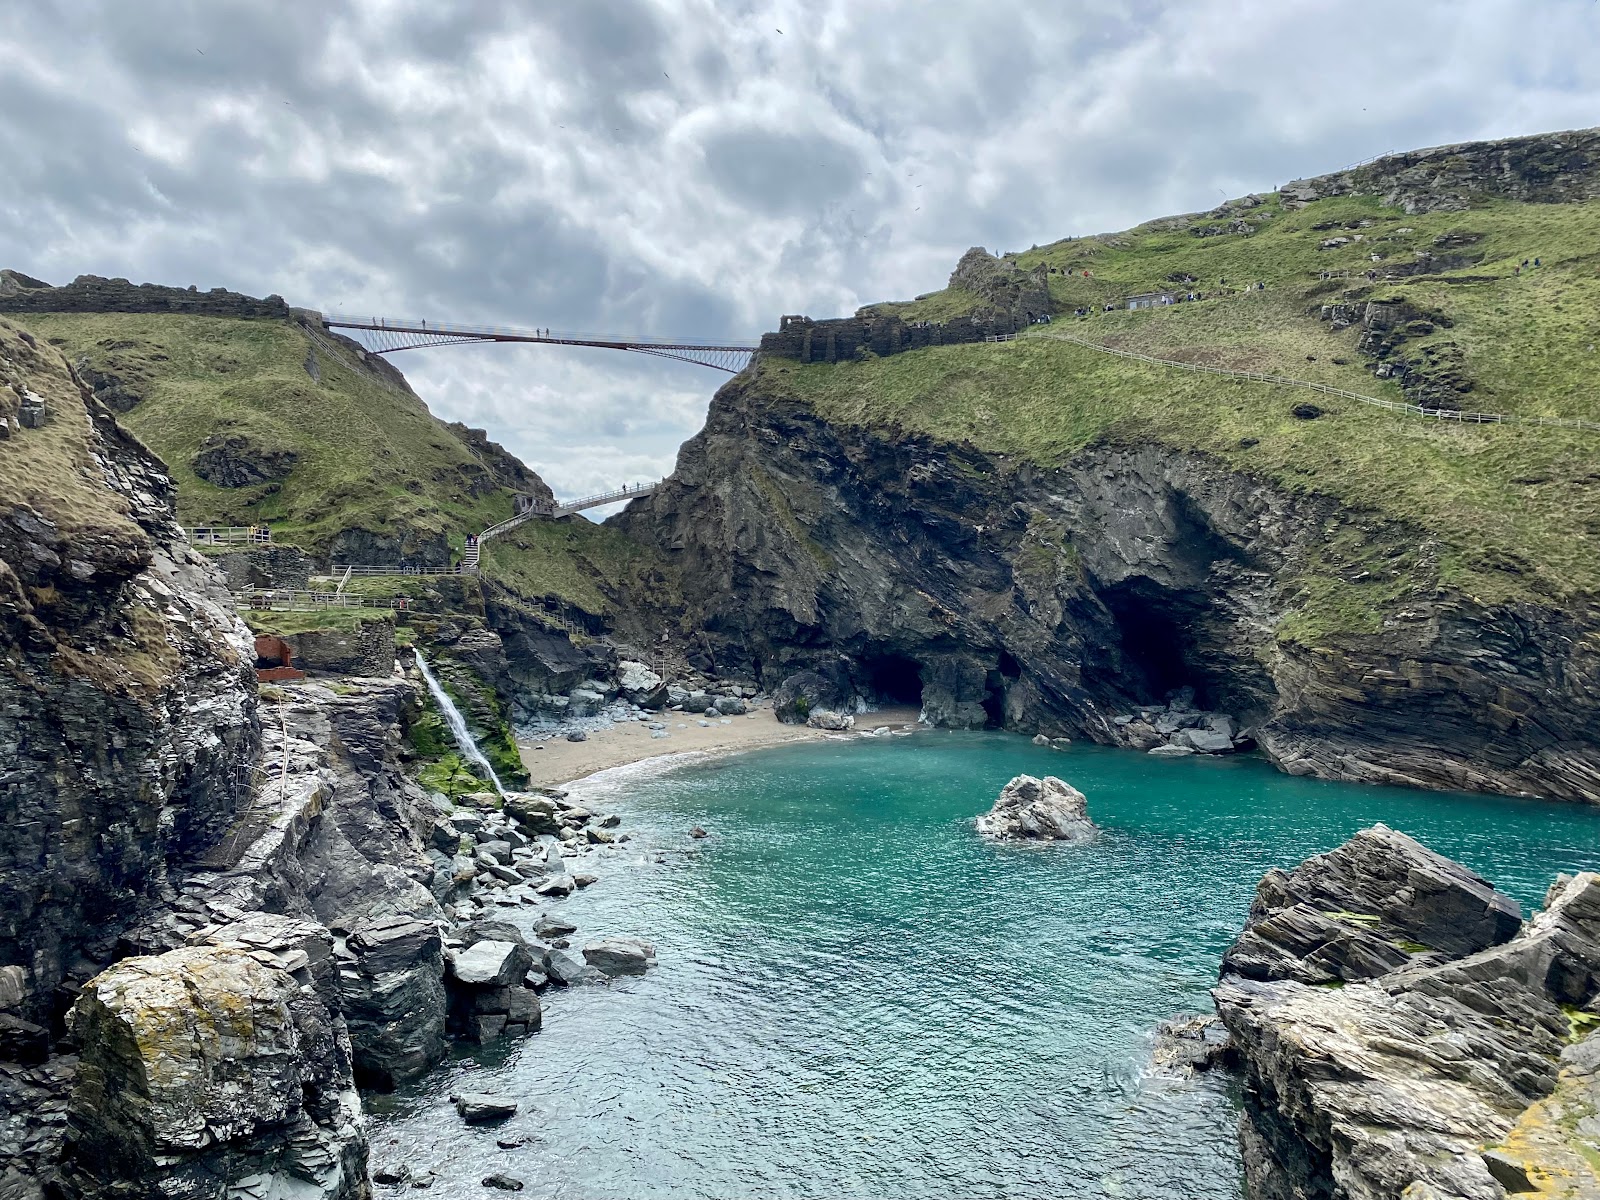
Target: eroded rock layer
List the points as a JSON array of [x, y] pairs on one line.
[[996, 592]]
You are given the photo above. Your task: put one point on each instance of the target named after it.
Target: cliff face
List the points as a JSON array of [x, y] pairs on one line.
[[995, 591], [127, 697]]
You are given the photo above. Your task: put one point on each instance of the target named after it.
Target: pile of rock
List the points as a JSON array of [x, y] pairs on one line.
[[492, 988], [1403, 1033], [1178, 728], [1030, 809], [637, 693]]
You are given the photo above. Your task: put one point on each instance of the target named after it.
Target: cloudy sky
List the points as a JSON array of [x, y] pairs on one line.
[[695, 168]]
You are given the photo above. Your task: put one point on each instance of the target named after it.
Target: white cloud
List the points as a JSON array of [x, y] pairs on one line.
[[679, 167]]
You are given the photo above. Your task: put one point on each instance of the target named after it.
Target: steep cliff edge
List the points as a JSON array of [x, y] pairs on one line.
[[127, 691], [1036, 535]]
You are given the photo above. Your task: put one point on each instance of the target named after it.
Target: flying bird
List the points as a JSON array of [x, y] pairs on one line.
[[780, 31]]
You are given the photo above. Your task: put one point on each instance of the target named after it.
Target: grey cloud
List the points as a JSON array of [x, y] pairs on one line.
[[779, 173], [533, 164]]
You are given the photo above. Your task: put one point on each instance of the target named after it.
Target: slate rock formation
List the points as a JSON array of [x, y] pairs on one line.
[[1463, 1071]]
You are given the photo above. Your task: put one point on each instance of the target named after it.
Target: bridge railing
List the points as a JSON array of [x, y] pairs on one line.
[[222, 535], [313, 600], [395, 569], [458, 329]]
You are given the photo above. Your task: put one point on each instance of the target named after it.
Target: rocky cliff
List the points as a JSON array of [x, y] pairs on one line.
[[1404, 1036], [127, 695], [994, 590]]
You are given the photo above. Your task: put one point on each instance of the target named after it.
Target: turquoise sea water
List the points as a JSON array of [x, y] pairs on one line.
[[857, 997]]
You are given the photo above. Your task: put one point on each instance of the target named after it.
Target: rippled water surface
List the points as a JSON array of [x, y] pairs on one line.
[[858, 997]]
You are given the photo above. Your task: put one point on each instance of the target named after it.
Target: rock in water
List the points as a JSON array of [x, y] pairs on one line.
[[478, 1107], [1459, 1072], [1047, 809], [620, 956], [202, 1065]]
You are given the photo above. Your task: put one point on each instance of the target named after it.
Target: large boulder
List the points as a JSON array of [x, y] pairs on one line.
[[393, 995], [535, 812], [805, 692], [1465, 1071], [619, 956], [636, 681], [491, 964], [1369, 906], [825, 718], [205, 1065], [1030, 809]]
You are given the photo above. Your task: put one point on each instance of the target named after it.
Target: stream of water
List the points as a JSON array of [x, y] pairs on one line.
[[858, 997], [458, 724]]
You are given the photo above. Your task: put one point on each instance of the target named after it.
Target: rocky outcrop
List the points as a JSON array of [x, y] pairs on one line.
[[204, 1070], [1546, 168], [127, 702], [238, 461], [1464, 1069], [1380, 901], [367, 649], [1002, 285], [992, 591], [93, 293], [1046, 810]]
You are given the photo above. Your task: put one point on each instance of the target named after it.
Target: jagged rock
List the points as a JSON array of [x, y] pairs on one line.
[[535, 813], [502, 1182], [237, 461], [490, 964], [1047, 809], [619, 956], [1394, 1084], [731, 706], [1185, 1045], [202, 1065], [551, 926], [568, 971], [1366, 908], [557, 885], [394, 1000], [478, 1107]]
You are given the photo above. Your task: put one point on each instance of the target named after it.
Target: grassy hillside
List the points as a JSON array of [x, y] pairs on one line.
[[1510, 512], [368, 454]]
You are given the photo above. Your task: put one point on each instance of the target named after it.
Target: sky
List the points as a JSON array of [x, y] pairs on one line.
[[695, 168]]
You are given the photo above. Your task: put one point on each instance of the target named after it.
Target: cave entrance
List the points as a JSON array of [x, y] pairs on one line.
[[894, 678], [1157, 646]]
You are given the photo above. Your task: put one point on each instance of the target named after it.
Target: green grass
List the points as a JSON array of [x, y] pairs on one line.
[[589, 566], [371, 456], [1502, 513]]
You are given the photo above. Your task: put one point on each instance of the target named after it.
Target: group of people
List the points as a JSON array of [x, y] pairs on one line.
[[1523, 265]]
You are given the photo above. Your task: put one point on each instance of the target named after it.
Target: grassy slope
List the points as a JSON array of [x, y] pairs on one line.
[[370, 454], [1514, 513]]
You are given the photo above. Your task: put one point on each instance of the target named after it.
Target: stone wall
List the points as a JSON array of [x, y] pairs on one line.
[[842, 338], [266, 567], [368, 649]]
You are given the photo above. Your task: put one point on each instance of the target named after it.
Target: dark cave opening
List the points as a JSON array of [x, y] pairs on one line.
[[1157, 647], [894, 678]]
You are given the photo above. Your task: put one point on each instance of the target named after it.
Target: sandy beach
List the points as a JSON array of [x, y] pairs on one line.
[[558, 761]]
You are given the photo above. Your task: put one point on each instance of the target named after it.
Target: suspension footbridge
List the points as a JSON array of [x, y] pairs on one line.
[[390, 335]]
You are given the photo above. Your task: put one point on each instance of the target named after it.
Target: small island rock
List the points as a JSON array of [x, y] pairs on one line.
[[1047, 809]]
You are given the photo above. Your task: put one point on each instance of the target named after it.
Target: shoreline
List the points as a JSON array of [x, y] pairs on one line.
[[556, 762]]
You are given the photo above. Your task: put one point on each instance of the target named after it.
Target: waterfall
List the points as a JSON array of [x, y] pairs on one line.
[[458, 724]]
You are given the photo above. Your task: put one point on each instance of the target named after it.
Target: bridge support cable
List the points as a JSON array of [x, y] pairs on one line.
[[388, 335]]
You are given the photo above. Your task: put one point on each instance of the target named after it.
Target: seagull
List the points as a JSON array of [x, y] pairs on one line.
[[780, 31]]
